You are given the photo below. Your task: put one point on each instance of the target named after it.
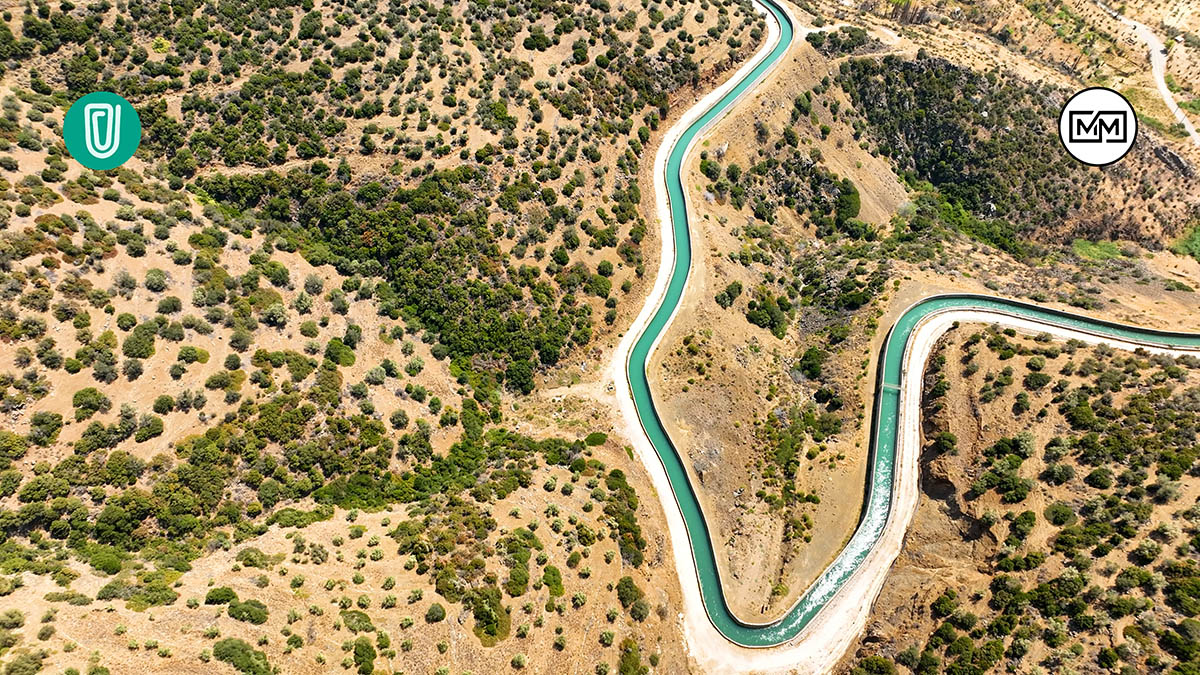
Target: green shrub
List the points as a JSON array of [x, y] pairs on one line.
[[106, 560], [357, 622], [252, 611], [140, 343], [164, 404], [435, 613], [628, 592], [364, 656], [221, 595], [242, 657], [552, 577], [339, 353], [88, 401], [253, 557]]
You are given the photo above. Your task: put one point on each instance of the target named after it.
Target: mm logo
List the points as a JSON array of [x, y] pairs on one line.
[[1097, 126], [102, 130]]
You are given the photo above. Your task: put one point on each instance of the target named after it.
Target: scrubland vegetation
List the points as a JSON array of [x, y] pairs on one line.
[[990, 195], [354, 236], [358, 235], [1078, 491]]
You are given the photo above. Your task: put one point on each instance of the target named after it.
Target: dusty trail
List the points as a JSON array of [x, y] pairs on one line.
[[1158, 67]]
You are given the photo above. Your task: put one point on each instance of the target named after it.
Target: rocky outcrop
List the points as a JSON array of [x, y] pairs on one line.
[[1174, 161]]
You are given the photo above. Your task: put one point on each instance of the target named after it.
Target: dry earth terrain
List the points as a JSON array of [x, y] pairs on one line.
[[1025, 496], [718, 378]]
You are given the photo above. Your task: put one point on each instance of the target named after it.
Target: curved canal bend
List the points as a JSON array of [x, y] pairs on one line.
[[886, 509]]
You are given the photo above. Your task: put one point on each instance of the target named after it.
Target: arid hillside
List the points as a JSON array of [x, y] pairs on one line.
[[1056, 521], [873, 178], [316, 381], [306, 334]]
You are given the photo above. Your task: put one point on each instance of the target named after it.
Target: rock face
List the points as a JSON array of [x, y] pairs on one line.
[[704, 459], [1174, 161]]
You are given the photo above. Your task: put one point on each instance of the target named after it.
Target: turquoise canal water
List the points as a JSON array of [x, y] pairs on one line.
[[884, 429]]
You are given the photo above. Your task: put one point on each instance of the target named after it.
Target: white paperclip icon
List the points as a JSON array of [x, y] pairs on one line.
[[95, 114]]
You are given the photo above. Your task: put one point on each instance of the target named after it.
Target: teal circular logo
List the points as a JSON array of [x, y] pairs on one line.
[[102, 130]]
